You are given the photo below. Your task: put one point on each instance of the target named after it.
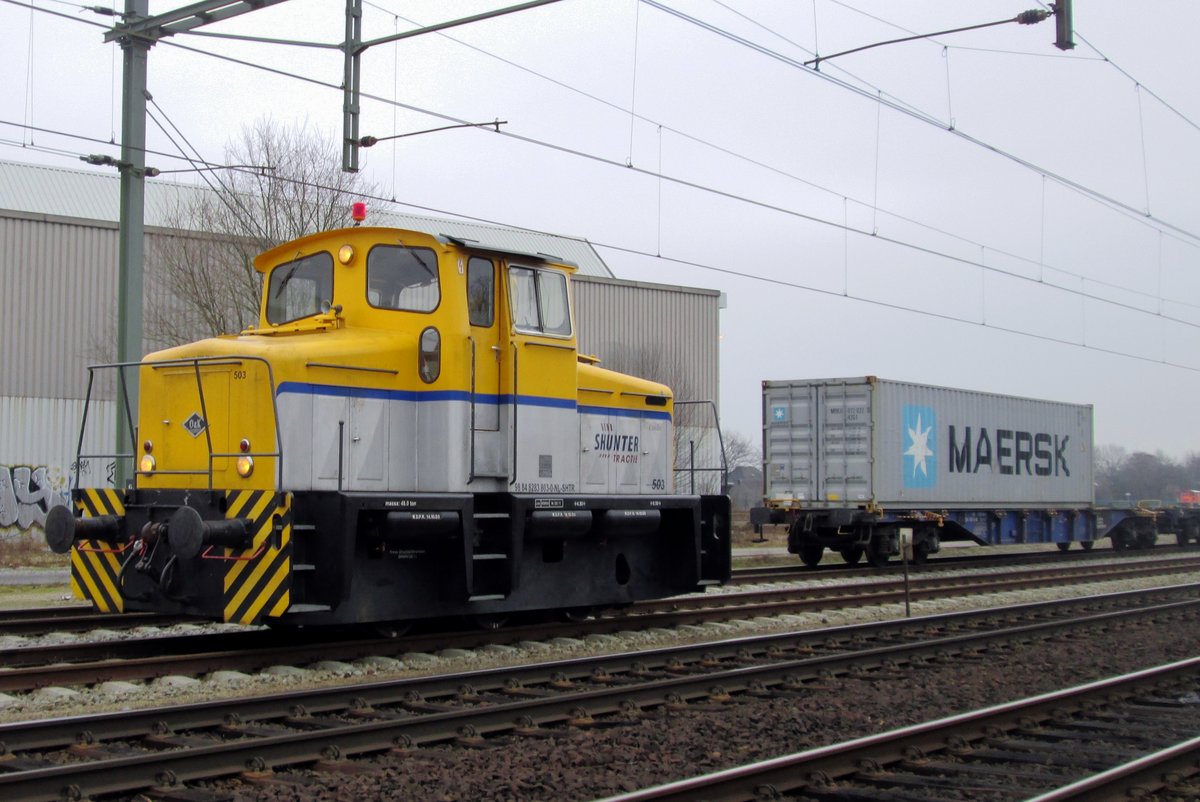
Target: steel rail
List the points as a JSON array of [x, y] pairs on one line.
[[31, 667], [939, 563], [796, 771], [78, 618], [262, 748], [24, 621], [850, 639], [1137, 778]]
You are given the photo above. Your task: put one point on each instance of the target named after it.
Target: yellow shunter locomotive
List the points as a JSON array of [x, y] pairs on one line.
[[409, 432]]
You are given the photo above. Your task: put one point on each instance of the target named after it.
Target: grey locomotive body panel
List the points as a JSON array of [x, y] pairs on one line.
[[854, 442]]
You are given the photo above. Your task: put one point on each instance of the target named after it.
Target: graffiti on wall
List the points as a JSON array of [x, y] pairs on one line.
[[28, 492]]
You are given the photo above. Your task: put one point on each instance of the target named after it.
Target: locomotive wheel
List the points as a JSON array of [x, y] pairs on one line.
[[810, 554], [851, 554], [392, 629], [1087, 544], [490, 621], [1063, 546], [577, 615]]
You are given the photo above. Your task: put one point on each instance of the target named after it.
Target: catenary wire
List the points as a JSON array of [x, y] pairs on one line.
[[928, 119], [807, 288], [416, 109], [704, 188], [771, 207], [776, 170], [796, 285], [893, 103], [228, 197]]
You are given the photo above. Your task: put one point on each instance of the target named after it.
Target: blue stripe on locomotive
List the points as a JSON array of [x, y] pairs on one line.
[[342, 391]]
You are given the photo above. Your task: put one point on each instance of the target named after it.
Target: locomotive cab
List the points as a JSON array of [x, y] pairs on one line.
[[409, 431]]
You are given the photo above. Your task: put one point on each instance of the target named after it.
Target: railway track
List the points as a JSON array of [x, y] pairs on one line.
[[79, 618], [940, 563], [1125, 737], [82, 617], [165, 749], [26, 668]]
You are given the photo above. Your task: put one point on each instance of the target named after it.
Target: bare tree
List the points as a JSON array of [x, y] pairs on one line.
[[1123, 477], [741, 451], [200, 273]]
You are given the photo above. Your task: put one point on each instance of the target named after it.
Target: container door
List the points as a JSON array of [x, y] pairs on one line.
[[845, 443], [790, 442]]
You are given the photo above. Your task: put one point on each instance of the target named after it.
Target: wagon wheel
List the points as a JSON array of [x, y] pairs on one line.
[[920, 553], [851, 554], [876, 557], [1063, 546], [811, 553], [1087, 544]]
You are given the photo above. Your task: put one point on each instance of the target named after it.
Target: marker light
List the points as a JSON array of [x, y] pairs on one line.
[[146, 464], [346, 254], [147, 446], [244, 446], [245, 466], [358, 211]]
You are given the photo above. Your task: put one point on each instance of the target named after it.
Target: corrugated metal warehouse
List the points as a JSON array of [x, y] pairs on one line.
[[58, 308]]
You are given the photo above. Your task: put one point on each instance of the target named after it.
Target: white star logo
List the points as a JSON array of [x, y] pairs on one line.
[[919, 450]]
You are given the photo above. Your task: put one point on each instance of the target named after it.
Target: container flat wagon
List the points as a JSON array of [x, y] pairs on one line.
[[858, 465]]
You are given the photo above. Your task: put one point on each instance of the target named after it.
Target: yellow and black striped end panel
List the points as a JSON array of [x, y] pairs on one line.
[[97, 501], [95, 566], [260, 586]]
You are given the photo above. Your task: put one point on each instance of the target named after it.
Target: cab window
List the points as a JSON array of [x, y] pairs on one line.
[[300, 288], [481, 291], [539, 301], [403, 278]]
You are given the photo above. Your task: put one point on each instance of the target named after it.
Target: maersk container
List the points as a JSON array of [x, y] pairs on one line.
[[862, 442]]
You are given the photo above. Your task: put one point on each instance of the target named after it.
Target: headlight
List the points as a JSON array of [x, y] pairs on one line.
[[146, 464], [245, 466]]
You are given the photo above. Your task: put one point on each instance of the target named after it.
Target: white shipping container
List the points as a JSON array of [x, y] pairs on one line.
[[836, 443]]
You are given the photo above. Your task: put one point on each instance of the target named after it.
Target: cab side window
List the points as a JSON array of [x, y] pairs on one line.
[[539, 300], [481, 291]]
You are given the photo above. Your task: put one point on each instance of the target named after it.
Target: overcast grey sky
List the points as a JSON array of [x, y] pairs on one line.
[[976, 210]]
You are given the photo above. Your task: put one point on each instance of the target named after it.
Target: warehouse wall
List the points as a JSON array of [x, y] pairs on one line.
[[669, 334], [58, 315]]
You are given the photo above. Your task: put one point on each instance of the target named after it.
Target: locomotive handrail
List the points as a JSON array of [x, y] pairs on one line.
[[691, 469], [332, 366], [195, 363], [516, 411], [559, 346]]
